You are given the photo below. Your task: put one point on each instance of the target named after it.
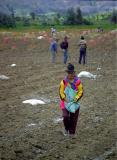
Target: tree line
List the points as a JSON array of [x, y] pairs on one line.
[[70, 17]]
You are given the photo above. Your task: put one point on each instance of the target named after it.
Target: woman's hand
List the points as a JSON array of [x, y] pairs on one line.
[[75, 99], [66, 100]]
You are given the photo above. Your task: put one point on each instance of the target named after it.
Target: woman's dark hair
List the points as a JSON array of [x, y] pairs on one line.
[[82, 37]]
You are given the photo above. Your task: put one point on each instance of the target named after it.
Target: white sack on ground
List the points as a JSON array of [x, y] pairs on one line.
[[13, 65], [40, 37], [3, 77], [86, 74], [34, 101]]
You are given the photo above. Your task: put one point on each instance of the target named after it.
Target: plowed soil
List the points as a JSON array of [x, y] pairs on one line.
[[30, 132]]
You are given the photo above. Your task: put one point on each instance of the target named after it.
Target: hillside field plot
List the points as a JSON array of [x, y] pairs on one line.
[[34, 132]]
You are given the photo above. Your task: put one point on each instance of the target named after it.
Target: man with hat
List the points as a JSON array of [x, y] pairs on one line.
[[71, 91]]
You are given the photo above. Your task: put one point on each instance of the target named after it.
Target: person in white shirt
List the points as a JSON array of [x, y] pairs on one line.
[[53, 31]]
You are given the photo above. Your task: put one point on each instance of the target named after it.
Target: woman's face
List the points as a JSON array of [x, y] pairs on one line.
[[71, 75]]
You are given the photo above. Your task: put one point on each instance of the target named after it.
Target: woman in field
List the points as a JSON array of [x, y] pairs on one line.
[[70, 91]]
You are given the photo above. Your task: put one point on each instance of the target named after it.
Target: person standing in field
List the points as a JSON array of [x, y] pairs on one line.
[[53, 31], [64, 46], [70, 91], [53, 49], [83, 46]]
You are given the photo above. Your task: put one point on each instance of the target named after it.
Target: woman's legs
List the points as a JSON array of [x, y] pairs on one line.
[[66, 119], [73, 122], [70, 120]]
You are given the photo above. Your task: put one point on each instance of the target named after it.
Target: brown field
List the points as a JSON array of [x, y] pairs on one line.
[[34, 76]]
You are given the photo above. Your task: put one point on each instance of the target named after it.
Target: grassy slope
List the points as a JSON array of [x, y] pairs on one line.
[[35, 28]]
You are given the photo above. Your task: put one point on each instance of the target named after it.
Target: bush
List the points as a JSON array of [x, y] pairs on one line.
[[26, 22], [113, 18], [86, 22], [7, 21]]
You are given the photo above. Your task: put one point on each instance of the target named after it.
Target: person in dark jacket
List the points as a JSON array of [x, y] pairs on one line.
[[64, 47]]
